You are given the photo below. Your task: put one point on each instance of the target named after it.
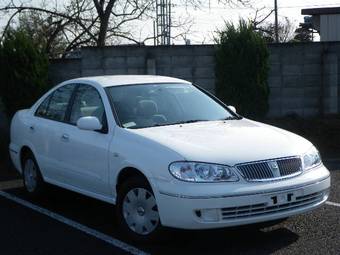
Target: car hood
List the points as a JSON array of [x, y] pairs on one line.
[[227, 142]]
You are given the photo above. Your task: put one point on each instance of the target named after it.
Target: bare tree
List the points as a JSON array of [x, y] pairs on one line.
[[260, 18], [286, 31], [45, 32], [85, 22], [88, 22], [286, 28]]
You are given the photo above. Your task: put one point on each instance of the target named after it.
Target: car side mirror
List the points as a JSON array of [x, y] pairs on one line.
[[232, 108], [90, 123]]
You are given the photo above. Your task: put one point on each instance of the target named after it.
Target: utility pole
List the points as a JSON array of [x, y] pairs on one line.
[[276, 23], [163, 22], [154, 34]]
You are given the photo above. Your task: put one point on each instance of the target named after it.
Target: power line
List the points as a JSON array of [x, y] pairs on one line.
[[311, 6], [252, 8]]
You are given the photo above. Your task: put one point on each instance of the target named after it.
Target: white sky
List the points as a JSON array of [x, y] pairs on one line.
[[207, 20]]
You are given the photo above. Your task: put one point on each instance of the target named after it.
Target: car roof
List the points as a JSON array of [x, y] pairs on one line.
[[117, 80]]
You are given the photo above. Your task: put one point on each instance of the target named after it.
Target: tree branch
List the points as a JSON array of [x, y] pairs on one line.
[[19, 9]]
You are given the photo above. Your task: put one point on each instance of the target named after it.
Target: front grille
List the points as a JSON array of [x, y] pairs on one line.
[[271, 169], [254, 210]]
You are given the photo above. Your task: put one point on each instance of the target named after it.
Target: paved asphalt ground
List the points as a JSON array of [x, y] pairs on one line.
[[26, 229]]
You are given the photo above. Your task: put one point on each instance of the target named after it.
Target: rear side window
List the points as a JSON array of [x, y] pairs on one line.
[[54, 107]]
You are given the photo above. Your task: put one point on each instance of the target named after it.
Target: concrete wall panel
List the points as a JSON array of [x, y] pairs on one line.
[[303, 78]]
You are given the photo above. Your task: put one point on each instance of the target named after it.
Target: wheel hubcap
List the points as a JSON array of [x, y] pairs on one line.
[[140, 211], [30, 175]]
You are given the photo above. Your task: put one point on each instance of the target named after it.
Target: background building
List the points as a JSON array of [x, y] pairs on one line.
[[326, 21]]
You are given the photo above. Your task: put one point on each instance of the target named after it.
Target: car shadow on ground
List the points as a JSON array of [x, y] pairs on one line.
[[226, 241], [101, 216]]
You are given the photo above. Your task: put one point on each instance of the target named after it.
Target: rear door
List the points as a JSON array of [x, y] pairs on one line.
[[83, 154]]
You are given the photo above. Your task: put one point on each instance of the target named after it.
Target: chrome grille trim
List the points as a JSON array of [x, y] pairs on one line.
[[231, 213], [260, 171]]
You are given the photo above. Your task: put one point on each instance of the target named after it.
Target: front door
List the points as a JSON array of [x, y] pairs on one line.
[[83, 153]]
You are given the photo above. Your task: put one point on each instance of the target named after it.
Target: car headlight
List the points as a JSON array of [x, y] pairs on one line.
[[311, 159], [202, 172]]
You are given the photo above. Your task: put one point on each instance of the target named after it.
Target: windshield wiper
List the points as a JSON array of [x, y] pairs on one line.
[[232, 118], [186, 122], [176, 123], [191, 121]]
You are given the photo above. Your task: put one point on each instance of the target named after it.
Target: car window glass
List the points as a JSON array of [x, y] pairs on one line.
[[87, 102], [146, 105], [59, 102], [42, 109]]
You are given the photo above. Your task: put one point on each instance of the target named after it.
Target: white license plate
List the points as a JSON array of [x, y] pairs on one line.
[[283, 197]]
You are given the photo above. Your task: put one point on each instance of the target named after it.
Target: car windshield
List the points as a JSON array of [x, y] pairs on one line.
[[149, 105]]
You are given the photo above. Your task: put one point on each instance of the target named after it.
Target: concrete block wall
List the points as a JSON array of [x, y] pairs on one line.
[[303, 78], [330, 83], [193, 63], [64, 69], [295, 80]]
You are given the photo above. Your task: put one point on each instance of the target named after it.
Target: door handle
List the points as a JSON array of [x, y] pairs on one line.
[[65, 137]]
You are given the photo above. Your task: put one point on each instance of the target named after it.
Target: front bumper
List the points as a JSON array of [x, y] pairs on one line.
[[15, 156], [274, 201]]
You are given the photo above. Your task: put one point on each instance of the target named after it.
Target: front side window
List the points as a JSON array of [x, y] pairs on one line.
[[148, 105], [54, 107], [87, 102]]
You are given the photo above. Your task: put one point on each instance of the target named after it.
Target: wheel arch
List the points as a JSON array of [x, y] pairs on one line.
[[24, 151], [127, 173]]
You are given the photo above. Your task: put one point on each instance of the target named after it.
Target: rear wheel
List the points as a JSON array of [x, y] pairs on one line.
[[33, 181], [137, 211]]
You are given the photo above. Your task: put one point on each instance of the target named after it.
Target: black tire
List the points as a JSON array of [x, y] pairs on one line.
[[37, 189], [131, 184]]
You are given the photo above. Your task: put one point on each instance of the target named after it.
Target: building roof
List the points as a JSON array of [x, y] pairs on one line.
[[321, 11], [115, 80]]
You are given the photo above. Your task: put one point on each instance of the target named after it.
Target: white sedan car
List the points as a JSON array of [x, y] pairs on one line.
[[167, 153]]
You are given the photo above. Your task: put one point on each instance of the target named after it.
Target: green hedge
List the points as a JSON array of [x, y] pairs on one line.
[[23, 72], [242, 69]]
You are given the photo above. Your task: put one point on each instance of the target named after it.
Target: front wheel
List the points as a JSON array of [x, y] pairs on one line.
[[137, 211]]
